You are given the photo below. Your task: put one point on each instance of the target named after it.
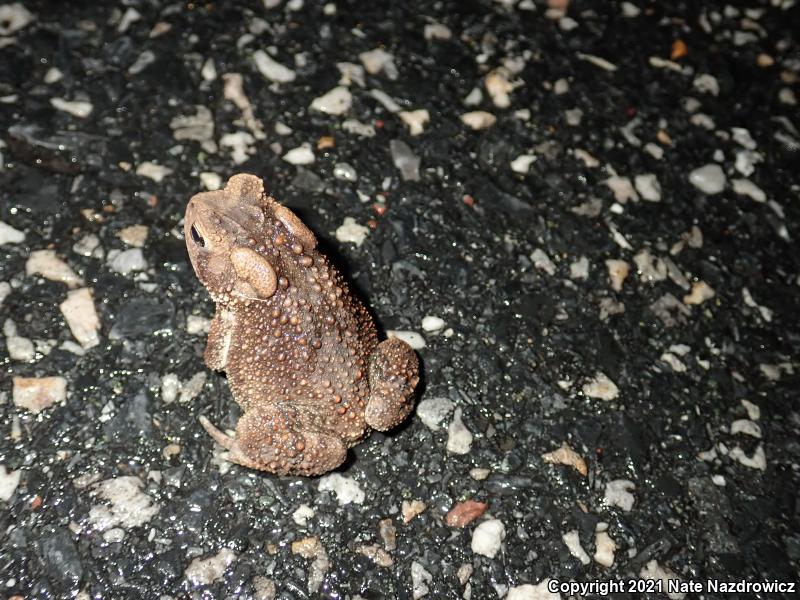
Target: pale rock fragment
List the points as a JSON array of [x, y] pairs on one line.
[[76, 108], [700, 292], [9, 480], [488, 538], [648, 187], [134, 235], [9, 235], [622, 188], [600, 387], [745, 187], [459, 438], [47, 264], [565, 455], [378, 60], [337, 101], [619, 493], [81, 317], [479, 119], [416, 120], [346, 489], [617, 273], [709, 179], [573, 543], [271, 69], [352, 232], [522, 163], [302, 155], [153, 171], [204, 571]]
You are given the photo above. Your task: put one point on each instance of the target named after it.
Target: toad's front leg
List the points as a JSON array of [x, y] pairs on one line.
[[393, 375], [279, 439]]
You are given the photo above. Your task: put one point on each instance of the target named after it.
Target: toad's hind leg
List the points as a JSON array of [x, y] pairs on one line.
[[393, 375], [280, 439]]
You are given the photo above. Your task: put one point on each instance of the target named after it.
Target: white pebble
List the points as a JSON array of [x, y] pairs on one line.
[[352, 232], [542, 262], [204, 571], [49, 266], [618, 493], [573, 544], [745, 187], [523, 163], [211, 181], [9, 480], [271, 69], [14, 17], [622, 188], [589, 160], [597, 61], [412, 338], [433, 411], [654, 150], [753, 410], [241, 144], [335, 102], [431, 323], [302, 155], [648, 187], [76, 108], [499, 87], [378, 60], [709, 179], [302, 514], [757, 461], [747, 427], [81, 317], [617, 273], [153, 171], [488, 537], [170, 388], [127, 261], [133, 235], [601, 387], [386, 101], [9, 235], [700, 292], [437, 31], [358, 128], [346, 489], [706, 84], [479, 119], [38, 393], [345, 172], [604, 546], [474, 98], [459, 438], [415, 120], [579, 269]]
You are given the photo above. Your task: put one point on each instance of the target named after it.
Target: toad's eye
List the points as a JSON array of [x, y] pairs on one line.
[[196, 237]]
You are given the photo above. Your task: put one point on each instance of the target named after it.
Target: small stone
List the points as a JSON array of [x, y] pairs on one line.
[[9, 235], [618, 493], [464, 513], [579, 269], [542, 262], [127, 261], [648, 187], [459, 438], [573, 116], [405, 160], [351, 73], [38, 393], [346, 489], [49, 266], [358, 128], [488, 537], [192, 388], [76, 108], [378, 60], [135, 235], [302, 155], [9, 480], [757, 461], [565, 455], [170, 387], [617, 273], [79, 312], [604, 547], [335, 102], [745, 187], [203, 571], [622, 188], [709, 179], [126, 504], [706, 84], [479, 119], [153, 171], [416, 120], [436, 31], [590, 161], [701, 292], [753, 410], [303, 513], [351, 232], [431, 323], [420, 579], [14, 17], [411, 509], [433, 411], [377, 555], [597, 61], [344, 172], [412, 338], [211, 181], [271, 69], [573, 543], [523, 163], [499, 87], [746, 427], [601, 387]]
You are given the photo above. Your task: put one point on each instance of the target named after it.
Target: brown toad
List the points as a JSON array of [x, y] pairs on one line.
[[301, 353]]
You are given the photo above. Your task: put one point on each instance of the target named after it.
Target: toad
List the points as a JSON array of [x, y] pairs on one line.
[[301, 353]]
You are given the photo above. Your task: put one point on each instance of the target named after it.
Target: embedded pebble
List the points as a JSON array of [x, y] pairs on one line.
[[302, 515], [753, 410], [5, 290], [302, 155], [211, 181], [346, 489], [650, 268], [412, 338], [386, 101], [709, 179], [706, 84], [499, 87], [153, 171], [76, 108], [9, 480], [436, 31], [135, 235], [38, 393], [488, 538], [746, 427], [459, 438], [622, 188], [597, 61], [523, 163], [128, 261], [416, 120], [601, 387], [345, 172], [335, 102], [590, 161], [81, 317], [9, 235], [617, 273], [757, 461], [198, 127], [648, 187], [433, 411], [191, 389], [573, 116], [350, 73], [378, 60], [351, 232], [14, 17], [604, 546], [18, 347], [565, 455], [405, 160], [573, 544], [542, 262], [700, 292], [271, 69], [618, 493], [240, 143], [47, 264], [126, 504], [579, 269], [412, 509], [479, 119], [431, 323], [420, 579], [204, 571], [358, 128], [745, 187]]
